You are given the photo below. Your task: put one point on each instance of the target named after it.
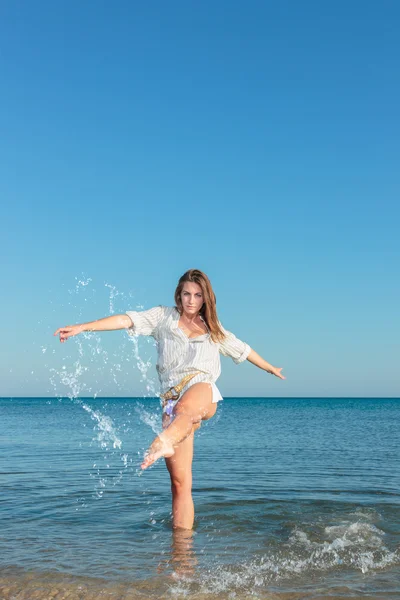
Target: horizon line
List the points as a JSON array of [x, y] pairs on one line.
[[225, 397]]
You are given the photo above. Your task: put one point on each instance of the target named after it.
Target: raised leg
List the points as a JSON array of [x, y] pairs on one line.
[[194, 406]]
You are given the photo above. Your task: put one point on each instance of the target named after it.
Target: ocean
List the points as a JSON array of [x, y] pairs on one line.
[[294, 499]]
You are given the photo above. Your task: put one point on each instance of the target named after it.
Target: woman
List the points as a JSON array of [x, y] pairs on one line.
[[189, 339]]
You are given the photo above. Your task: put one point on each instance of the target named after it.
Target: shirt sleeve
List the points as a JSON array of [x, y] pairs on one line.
[[145, 322], [234, 348]]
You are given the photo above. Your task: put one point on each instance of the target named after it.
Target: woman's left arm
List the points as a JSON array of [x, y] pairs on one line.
[[257, 360]]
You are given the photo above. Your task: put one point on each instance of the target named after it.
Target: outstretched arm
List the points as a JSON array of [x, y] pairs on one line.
[[107, 324], [257, 360]]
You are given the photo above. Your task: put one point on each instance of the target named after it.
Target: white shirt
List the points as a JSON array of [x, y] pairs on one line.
[[179, 355]]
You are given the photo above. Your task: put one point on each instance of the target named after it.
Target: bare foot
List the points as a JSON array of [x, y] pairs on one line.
[[160, 447]]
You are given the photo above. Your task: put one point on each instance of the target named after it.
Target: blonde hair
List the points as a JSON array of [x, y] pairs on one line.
[[209, 309]]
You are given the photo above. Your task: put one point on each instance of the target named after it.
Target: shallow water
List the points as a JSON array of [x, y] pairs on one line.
[[295, 498]]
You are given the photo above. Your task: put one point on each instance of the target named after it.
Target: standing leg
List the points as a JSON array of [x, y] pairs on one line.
[[180, 470]]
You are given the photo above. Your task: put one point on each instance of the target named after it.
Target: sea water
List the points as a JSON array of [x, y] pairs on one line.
[[294, 498]]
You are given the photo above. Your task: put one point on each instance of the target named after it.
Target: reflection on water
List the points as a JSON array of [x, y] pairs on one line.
[[181, 561], [183, 557]]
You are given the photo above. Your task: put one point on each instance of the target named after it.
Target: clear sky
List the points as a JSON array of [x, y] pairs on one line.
[[257, 141]]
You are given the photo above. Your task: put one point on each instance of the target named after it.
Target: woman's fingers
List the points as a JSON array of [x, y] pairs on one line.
[[63, 329], [65, 332]]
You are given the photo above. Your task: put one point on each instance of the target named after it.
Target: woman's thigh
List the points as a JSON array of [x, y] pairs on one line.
[[167, 420], [197, 402]]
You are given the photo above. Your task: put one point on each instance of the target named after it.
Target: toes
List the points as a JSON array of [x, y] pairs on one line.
[[147, 462], [150, 458]]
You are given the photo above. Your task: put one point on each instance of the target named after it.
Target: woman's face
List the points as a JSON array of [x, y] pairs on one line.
[[192, 298]]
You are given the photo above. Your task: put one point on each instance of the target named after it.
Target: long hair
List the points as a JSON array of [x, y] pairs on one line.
[[209, 309]]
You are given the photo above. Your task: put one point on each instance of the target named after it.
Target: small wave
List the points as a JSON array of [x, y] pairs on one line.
[[347, 546]]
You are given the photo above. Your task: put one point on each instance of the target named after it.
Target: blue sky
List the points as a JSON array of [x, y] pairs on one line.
[[257, 141]]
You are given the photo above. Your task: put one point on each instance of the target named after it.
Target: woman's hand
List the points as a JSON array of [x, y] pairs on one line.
[[277, 372], [257, 360], [68, 331]]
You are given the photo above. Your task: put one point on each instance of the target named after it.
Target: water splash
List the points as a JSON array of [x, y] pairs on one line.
[[113, 293], [106, 431], [143, 367], [152, 419], [91, 352], [81, 283]]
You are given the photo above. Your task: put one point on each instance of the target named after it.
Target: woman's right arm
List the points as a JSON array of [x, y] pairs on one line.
[[107, 324]]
